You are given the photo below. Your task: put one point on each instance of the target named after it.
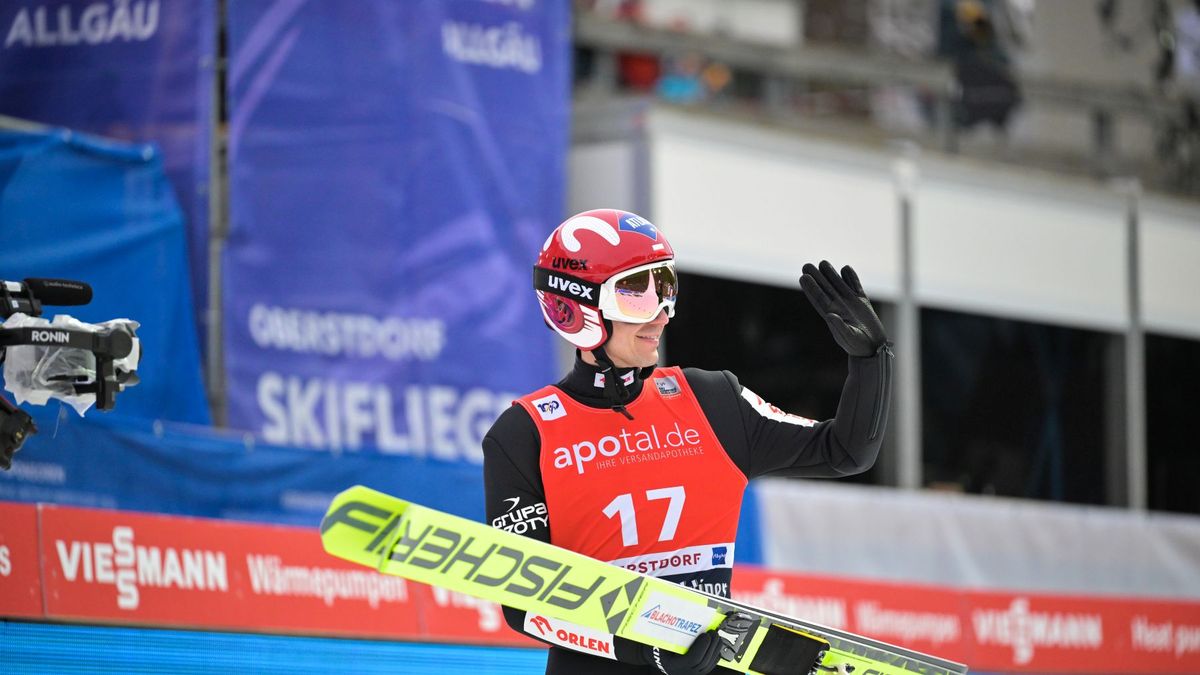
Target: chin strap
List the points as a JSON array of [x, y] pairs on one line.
[[615, 389]]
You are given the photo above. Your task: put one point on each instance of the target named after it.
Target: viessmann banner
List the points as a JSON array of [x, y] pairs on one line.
[[113, 566], [993, 630], [395, 167], [93, 565]]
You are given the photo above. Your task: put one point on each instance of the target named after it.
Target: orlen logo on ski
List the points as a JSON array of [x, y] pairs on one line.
[[129, 567], [1023, 630], [569, 635], [629, 446]]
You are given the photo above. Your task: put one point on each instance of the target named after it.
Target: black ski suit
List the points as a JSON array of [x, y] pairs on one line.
[[760, 441]]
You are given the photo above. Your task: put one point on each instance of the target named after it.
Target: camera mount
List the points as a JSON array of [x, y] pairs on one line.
[[107, 344]]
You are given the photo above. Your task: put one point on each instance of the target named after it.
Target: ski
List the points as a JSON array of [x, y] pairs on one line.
[[398, 537], [848, 644]]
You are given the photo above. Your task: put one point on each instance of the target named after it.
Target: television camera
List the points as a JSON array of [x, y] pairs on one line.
[[76, 362]]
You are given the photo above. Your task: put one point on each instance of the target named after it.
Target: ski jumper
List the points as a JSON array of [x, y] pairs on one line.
[[661, 493]]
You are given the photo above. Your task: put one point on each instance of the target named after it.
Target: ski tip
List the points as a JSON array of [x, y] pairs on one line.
[[361, 511]]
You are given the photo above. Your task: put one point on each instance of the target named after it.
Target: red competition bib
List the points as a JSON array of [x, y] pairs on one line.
[[656, 494]]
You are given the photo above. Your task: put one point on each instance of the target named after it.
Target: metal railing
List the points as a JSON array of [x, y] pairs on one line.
[[848, 68]]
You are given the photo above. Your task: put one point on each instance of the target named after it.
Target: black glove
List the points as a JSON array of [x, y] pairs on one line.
[[700, 658], [845, 307]]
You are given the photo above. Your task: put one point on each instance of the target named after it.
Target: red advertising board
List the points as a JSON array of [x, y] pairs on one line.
[[120, 567], [447, 616], [20, 576], [113, 566], [1063, 634], [925, 619], [130, 567], [999, 631]]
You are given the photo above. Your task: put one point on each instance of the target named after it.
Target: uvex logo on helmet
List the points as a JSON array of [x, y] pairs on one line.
[[593, 246], [572, 288], [568, 264]]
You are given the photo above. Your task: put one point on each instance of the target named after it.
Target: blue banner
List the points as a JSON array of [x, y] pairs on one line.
[[102, 212], [114, 462], [134, 70], [394, 169]]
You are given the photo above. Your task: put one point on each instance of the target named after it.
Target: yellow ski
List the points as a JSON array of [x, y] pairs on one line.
[[405, 539]]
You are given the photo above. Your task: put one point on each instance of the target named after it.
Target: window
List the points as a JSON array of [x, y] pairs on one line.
[[1172, 399], [1016, 408]]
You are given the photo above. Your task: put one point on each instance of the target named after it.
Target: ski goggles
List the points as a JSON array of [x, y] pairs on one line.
[[637, 295]]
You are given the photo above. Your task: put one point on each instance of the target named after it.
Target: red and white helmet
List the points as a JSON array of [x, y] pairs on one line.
[[604, 264]]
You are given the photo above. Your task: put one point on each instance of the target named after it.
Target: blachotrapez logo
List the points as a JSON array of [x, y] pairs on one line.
[[664, 618]]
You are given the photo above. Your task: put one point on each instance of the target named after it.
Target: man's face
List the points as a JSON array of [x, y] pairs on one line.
[[635, 345]]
